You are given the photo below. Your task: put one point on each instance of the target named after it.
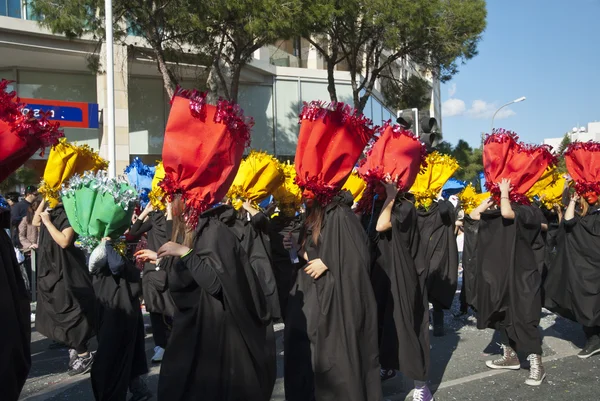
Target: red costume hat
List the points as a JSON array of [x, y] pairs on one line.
[[397, 154], [21, 135], [202, 151], [583, 164], [505, 157], [330, 142]]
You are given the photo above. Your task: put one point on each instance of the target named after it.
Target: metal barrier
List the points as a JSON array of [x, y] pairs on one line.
[[33, 275]]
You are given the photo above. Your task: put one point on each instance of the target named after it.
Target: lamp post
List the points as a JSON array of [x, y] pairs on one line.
[[507, 104], [110, 89]]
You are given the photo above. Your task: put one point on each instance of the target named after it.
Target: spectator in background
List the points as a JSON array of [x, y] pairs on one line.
[[12, 198], [28, 236], [19, 211]]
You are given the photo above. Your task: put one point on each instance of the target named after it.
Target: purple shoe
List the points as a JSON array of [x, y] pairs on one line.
[[422, 394]]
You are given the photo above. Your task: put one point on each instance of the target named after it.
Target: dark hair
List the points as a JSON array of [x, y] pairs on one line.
[[314, 220], [31, 210], [31, 190], [182, 234], [12, 196]]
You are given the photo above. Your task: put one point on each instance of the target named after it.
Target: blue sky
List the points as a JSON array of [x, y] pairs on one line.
[[546, 50]]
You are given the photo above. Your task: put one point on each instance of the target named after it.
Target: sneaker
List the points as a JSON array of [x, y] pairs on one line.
[[537, 373], [509, 360], [592, 347], [387, 374], [422, 394], [158, 354], [72, 357], [82, 365]]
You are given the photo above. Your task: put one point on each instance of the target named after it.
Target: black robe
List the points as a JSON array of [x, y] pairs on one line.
[[121, 354], [66, 302], [15, 335], [403, 310], [469, 261], [509, 276], [217, 347], [439, 251], [573, 282], [157, 298], [331, 350]]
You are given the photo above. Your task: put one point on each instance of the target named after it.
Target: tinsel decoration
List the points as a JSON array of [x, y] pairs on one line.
[[157, 194], [355, 185], [470, 199], [583, 164], [258, 176], [431, 179], [140, 176], [98, 206], [548, 189], [288, 195]]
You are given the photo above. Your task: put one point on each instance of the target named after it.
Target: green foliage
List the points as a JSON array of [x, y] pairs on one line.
[[411, 93], [564, 144], [23, 176]]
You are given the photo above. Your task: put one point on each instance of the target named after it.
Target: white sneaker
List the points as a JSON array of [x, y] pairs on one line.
[[158, 354]]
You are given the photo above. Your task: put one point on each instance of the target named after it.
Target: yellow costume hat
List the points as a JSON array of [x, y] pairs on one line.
[[288, 195], [258, 176], [432, 178], [356, 185], [549, 188], [157, 194], [64, 161], [470, 199]]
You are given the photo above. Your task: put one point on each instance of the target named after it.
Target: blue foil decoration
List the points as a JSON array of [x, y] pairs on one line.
[[452, 187], [3, 203], [140, 177]]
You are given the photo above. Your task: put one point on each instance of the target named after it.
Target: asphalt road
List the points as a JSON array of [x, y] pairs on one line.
[[458, 370]]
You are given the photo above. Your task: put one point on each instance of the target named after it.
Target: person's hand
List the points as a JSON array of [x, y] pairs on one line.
[[149, 208], [134, 218], [391, 190], [315, 268], [33, 246], [486, 204], [45, 216], [575, 197], [172, 249], [505, 187], [146, 255]]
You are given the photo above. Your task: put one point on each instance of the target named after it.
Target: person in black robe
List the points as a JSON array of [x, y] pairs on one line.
[[573, 282], [440, 253], [157, 299], [401, 294], [217, 350], [331, 350], [66, 302], [121, 356], [509, 282], [15, 336]]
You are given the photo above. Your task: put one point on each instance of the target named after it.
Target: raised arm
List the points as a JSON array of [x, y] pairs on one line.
[[37, 219], [505, 208], [384, 221], [63, 238], [570, 212], [476, 213]]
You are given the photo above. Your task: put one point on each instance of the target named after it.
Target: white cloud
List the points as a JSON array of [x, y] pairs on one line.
[[480, 109], [452, 91], [453, 107]]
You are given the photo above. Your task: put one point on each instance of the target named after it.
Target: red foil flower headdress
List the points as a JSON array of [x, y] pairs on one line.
[[332, 138], [21, 134], [505, 157], [202, 150], [583, 164]]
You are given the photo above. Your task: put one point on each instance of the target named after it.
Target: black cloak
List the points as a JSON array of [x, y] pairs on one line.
[[509, 276], [157, 298], [331, 350], [15, 335], [573, 282], [403, 310], [469, 260], [121, 354], [217, 349], [439, 251], [66, 302]]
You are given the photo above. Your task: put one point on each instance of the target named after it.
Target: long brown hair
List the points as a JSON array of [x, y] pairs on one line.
[[314, 220], [31, 210], [182, 234]]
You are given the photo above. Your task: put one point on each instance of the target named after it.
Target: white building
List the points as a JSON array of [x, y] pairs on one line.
[[581, 134], [51, 69]]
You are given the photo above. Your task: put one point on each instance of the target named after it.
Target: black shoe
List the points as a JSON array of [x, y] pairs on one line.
[[139, 390], [387, 374], [438, 331], [82, 365], [592, 347]]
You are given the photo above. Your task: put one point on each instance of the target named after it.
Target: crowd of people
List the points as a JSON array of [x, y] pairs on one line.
[[348, 247]]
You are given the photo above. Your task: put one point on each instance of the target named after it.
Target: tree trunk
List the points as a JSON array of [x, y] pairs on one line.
[[331, 80], [218, 81], [169, 81], [235, 82]]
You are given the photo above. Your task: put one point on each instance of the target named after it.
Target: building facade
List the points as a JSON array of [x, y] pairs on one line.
[[53, 69], [581, 134]]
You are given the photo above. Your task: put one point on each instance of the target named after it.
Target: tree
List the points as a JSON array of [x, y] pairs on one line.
[[371, 35], [462, 152], [413, 92], [564, 144], [22, 176]]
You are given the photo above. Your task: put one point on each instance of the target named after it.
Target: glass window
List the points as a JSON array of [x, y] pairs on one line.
[[148, 108], [8, 75], [14, 8], [57, 86], [2, 7], [257, 101], [288, 106], [314, 91]]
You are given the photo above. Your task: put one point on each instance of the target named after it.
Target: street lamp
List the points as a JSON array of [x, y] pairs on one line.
[[507, 104]]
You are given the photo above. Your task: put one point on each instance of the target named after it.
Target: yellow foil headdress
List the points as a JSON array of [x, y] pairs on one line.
[[432, 178], [157, 194], [470, 199], [288, 195], [549, 188], [64, 161], [258, 176], [356, 185]]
